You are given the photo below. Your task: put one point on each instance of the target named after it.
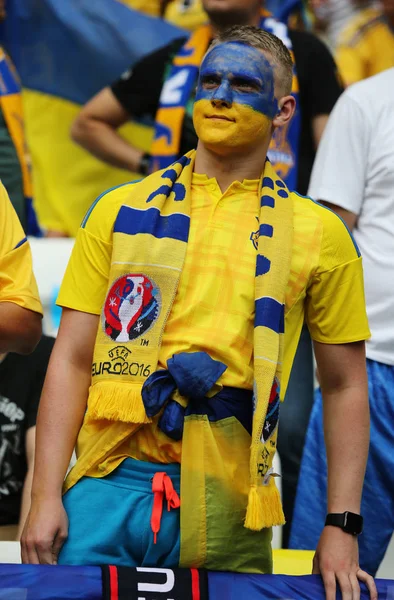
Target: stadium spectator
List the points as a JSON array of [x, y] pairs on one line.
[[188, 14], [20, 308], [354, 175], [147, 298], [21, 381], [332, 16], [366, 46], [155, 81]]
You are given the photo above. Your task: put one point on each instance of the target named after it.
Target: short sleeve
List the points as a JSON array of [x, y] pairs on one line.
[[17, 281], [86, 278], [340, 167], [335, 304], [138, 89]]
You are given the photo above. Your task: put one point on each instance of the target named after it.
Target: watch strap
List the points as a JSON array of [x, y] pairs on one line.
[[349, 522]]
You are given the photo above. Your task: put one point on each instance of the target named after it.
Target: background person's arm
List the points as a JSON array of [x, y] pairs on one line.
[[20, 328], [96, 130], [60, 415], [344, 386]]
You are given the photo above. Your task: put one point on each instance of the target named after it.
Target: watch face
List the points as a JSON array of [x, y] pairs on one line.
[[353, 523]]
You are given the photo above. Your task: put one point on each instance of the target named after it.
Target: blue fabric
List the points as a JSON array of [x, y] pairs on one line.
[[40, 582], [193, 373], [133, 220], [73, 49], [377, 504], [109, 519], [270, 313]]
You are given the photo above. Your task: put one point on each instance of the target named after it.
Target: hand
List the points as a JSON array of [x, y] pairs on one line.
[[45, 532], [336, 559]]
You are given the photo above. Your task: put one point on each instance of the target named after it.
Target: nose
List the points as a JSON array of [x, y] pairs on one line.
[[223, 95]]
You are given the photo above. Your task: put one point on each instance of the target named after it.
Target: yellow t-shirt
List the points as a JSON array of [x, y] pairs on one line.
[[366, 47], [17, 281], [214, 307], [188, 15]]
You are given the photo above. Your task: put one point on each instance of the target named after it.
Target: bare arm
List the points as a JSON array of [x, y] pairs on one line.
[[95, 129], [20, 328], [60, 415], [30, 444], [318, 125], [344, 385]]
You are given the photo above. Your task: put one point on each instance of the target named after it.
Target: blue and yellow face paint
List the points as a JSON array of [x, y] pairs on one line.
[[235, 100]]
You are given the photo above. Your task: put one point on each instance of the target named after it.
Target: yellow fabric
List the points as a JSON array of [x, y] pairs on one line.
[[115, 395], [149, 7], [366, 47], [188, 17], [61, 201], [293, 562], [216, 318], [323, 261], [11, 106], [17, 282], [325, 272]]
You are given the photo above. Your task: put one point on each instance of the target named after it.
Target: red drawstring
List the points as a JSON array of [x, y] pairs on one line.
[[162, 484]]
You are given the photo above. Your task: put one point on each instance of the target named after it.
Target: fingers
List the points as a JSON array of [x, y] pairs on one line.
[[329, 585], [369, 582], [345, 585], [355, 586], [57, 545]]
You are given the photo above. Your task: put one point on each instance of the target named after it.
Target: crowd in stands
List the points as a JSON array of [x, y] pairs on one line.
[[335, 44]]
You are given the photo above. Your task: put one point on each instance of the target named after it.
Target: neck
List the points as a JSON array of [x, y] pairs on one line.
[[219, 26], [229, 168]]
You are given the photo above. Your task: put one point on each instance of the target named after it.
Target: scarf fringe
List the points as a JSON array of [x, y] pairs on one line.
[[116, 402], [265, 508]]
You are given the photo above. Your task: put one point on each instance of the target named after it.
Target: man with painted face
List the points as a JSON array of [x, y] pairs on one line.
[[182, 306], [162, 87]]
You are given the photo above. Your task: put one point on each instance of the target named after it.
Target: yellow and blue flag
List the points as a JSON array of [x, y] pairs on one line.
[[65, 52]]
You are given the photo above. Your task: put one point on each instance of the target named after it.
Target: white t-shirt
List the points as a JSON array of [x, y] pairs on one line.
[[354, 169]]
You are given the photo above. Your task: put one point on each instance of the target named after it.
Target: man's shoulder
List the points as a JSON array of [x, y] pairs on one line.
[[360, 26], [313, 218], [108, 203], [306, 43]]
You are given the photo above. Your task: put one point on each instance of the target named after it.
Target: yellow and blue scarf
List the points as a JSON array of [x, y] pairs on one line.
[[178, 90], [150, 237], [11, 105]]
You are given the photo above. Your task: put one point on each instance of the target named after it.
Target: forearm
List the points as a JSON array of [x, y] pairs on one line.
[[62, 407], [346, 430], [105, 143], [20, 328]]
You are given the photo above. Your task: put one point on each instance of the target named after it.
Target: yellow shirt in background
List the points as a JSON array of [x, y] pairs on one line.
[[366, 47], [17, 281], [188, 15], [214, 307]]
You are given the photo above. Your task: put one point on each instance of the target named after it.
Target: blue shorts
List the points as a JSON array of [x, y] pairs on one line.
[[377, 505], [109, 519]]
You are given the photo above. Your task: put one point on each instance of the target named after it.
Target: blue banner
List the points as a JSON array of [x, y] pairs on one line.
[[74, 48], [32, 582]]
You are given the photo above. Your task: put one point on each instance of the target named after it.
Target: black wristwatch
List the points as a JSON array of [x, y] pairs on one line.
[[349, 522], [144, 165]]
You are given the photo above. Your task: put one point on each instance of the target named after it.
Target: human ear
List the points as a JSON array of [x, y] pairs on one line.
[[286, 110]]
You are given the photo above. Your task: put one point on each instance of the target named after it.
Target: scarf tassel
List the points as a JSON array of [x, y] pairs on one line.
[[116, 402], [264, 508]]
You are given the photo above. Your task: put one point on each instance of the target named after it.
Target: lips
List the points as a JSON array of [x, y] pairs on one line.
[[220, 118]]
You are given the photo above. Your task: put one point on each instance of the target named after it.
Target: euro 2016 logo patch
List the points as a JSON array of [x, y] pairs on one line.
[[131, 307], [272, 418]]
